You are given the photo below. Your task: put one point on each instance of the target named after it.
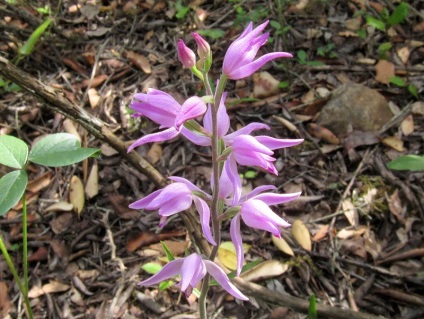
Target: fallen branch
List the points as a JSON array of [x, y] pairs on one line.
[[56, 101]]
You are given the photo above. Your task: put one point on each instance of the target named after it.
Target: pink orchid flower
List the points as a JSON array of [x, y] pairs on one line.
[[175, 198], [163, 109], [255, 212], [192, 269], [239, 60], [186, 55]]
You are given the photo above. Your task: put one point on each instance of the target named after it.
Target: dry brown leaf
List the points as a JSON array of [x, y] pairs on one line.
[[140, 61], [60, 207], [95, 82], [4, 300], [282, 245], [35, 185], [59, 248], [40, 254], [323, 133], [227, 254], [321, 233], [61, 223], [395, 206], [289, 125], [301, 234], [308, 97], [354, 24], [108, 150], [137, 240], [177, 248], [384, 71], [76, 194], [92, 186], [394, 142], [419, 27], [418, 108], [403, 54], [346, 233], [350, 212], [88, 274], [264, 85], [155, 153], [70, 128], [93, 97], [266, 269], [407, 125], [51, 287]]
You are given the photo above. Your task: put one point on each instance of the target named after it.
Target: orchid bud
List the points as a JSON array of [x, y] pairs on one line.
[[204, 51], [186, 55]]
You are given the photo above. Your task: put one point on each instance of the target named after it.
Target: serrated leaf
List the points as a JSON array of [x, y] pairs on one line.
[[12, 186], [151, 268], [301, 234], [13, 151], [59, 150], [379, 25], [399, 14], [407, 162]]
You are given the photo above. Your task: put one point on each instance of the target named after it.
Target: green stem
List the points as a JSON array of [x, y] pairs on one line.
[[215, 196]]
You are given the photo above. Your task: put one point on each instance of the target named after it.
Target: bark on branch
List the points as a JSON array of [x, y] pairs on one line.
[[56, 101]]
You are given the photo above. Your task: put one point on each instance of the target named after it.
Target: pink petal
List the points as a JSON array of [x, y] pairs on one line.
[[219, 275], [166, 135], [145, 203], [275, 199], [205, 218], [234, 177], [258, 190], [196, 138], [186, 182], [192, 108], [188, 269], [229, 139], [169, 270], [275, 143], [237, 241]]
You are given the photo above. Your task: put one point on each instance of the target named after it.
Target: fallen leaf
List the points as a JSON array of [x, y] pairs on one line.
[[227, 254], [350, 212], [4, 300], [395, 206], [403, 54], [93, 97], [418, 108], [70, 128], [59, 207], [92, 185], [346, 233], [155, 153], [282, 245], [264, 84], [177, 248], [287, 124], [266, 269], [120, 206], [394, 143], [138, 240], [354, 24], [76, 194], [384, 71], [301, 234], [35, 185], [323, 133], [59, 248], [61, 223], [40, 254], [407, 125], [95, 82], [321, 233], [140, 61], [51, 287]]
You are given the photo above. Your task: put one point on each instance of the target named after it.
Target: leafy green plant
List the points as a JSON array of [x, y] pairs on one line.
[[327, 51], [181, 10], [212, 33], [312, 310], [302, 58], [407, 162], [54, 150], [398, 81], [386, 20]]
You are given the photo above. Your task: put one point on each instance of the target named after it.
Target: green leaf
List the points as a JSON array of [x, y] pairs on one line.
[[29, 45], [250, 174], [13, 151], [12, 187], [399, 15], [212, 33], [59, 150], [312, 310], [407, 162], [383, 48], [378, 24], [151, 268], [181, 10], [165, 284], [397, 81], [169, 255], [413, 90], [314, 63], [301, 55], [276, 25], [283, 84]]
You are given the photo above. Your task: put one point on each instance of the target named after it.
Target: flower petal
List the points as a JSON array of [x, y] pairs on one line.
[[145, 203], [165, 135], [257, 190], [192, 108], [219, 275], [237, 241], [169, 270], [186, 182], [188, 269], [275, 143], [205, 218], [249, 128], [196, 138], [234, 177], [275, 199]]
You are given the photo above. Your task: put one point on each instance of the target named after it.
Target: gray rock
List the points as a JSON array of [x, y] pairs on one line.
[[354, 107]]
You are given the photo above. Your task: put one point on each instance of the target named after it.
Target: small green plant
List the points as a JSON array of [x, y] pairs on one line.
[[327, 51], [243, 16], [182, 10], [407, 163], [54, 150], [312, 310], [386, 20], [398, 81], [302, 58], [280, 30]]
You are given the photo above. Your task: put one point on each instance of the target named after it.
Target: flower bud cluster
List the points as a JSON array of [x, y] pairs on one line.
[[238, 148]]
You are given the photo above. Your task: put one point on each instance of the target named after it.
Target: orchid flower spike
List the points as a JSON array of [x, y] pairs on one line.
[[192, 269], [239, 60], [175, 198], [163, 109], [186, 55], [255, 212]]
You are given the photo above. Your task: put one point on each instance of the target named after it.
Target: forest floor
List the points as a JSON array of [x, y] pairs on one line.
[[357, 236]]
